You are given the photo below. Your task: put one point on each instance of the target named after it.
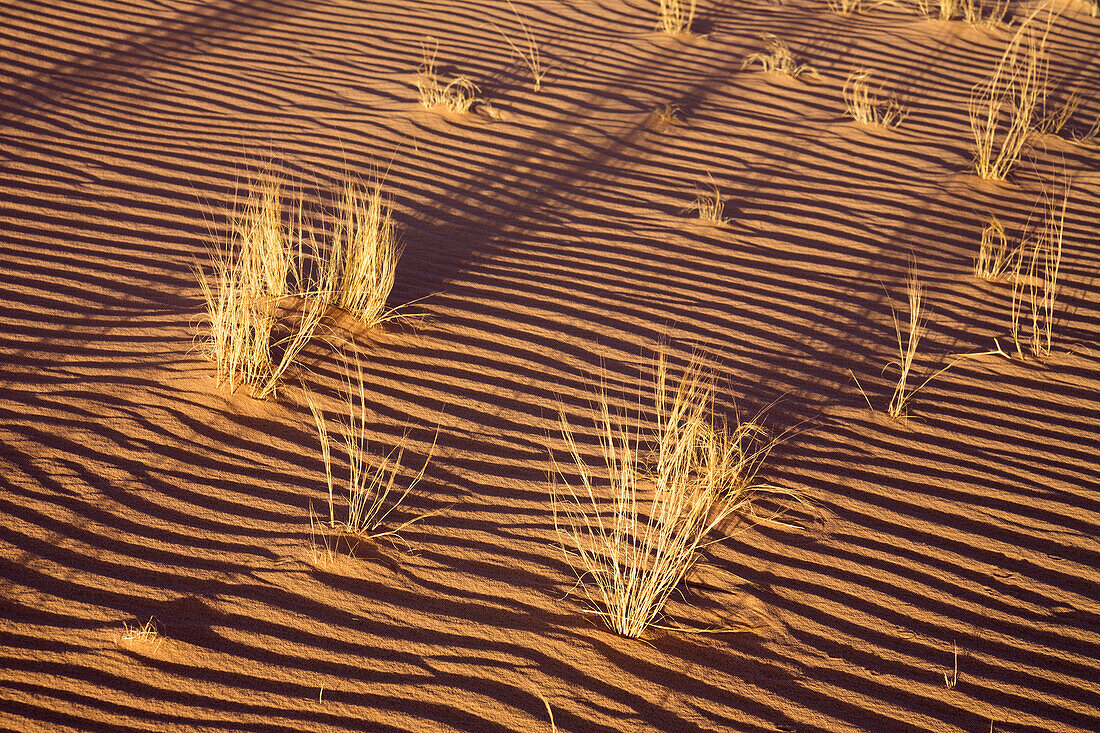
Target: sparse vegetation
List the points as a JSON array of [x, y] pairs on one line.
[[968, 11], [709, 205], [362, 262], [530, 53], [995, 258], [254, 329], [847, 7], [459, 95], [676, 16], [372, 491], [777, 56], [1003, 109], [632, 527], [866, 107], [1037, 283], [668, 115], [145, 636], [907, 347], [951, 680]]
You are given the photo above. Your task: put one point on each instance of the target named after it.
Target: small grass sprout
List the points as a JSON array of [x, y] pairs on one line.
[[669, 115], [144, 635], [530, 53], [459, 95], [632, 525], [777, 56], [675, 16], [866, 107]]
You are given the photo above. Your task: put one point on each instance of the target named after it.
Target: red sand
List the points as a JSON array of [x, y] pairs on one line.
[[552, 247]]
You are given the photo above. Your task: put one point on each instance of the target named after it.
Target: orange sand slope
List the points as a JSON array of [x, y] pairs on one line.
[[554, 246]]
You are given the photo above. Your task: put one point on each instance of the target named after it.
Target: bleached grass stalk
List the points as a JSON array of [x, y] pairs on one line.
[[253, 333], [372, 492], [709, 205], [907, 347], [1003, 109], [530, 53], [867, 108], [362, 260], [459, 95], [632, 525], [144, 635], [676, 16], [777, 56], [1037, 285], [1093, 6], [1089, 136], [995, 258]]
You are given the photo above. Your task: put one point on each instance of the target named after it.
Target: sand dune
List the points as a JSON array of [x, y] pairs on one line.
[[549, 248]]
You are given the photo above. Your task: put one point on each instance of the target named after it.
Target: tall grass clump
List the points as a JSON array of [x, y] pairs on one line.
[[866, 107], [255, 325], [632, 524], [675, 16], [1004, 108], [361, 265], [777, 56], [370, 488]]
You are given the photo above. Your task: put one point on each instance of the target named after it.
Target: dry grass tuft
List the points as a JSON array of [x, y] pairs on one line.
[[907, 347], [459, 95], [1004, 109], [851, 7], [867, 108], [967, 11], [709, 205], [372, 491], [995, 258], [1037, 283], [362, 261], [145, 636], [669, 115], [676, 16], [777, 56], [1093, 6], [530, 53], [254, 332], [632, 527]]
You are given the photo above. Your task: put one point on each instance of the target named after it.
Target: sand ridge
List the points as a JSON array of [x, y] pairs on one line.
[[552, 248]]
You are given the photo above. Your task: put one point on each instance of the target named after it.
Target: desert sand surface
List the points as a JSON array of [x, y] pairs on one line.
[[550, 246]]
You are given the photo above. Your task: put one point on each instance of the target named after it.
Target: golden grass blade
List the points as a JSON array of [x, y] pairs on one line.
[[632, 529]]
